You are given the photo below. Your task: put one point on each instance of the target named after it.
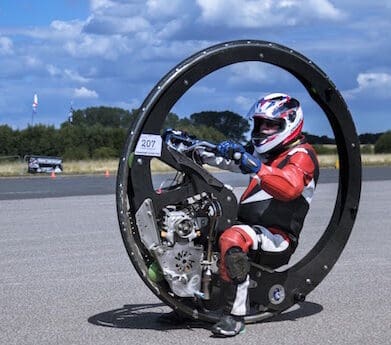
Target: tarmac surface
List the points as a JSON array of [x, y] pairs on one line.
[[43, 186], [65, 278]]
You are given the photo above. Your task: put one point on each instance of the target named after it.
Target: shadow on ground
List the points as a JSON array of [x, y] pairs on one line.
[[299, 311], [153, 316]]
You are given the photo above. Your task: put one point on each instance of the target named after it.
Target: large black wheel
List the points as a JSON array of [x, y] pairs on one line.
[[274, 291]]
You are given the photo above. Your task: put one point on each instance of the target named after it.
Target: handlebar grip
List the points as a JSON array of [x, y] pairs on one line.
[[237, 156]]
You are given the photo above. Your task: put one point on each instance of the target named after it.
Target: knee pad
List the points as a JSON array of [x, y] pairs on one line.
[[241, 236], [237, 265], [235, 237]]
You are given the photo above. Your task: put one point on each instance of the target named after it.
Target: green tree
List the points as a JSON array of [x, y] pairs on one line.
[[104, 152], [75, 153], [90, 138], [316, 140], [96, 136], [71, 137], [383, 144], [39, 139], [172, 121], [368, 149], [324, 150], [369, 138], [201, 132], [7, 141], [118, 139], [231, 124], [105, 116]]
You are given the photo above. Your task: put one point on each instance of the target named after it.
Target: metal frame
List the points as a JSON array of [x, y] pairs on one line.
[[303, 277]]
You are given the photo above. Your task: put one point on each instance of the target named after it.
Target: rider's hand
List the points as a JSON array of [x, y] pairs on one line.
[[230, 150], [249, 164]]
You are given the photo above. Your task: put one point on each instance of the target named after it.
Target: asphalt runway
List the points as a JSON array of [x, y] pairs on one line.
[[66, 279], [43, 186]]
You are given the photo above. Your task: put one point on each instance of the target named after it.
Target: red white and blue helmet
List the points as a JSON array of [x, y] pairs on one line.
[[281, 112]]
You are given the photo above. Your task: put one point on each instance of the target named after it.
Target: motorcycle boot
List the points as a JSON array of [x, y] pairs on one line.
[[229, 326]]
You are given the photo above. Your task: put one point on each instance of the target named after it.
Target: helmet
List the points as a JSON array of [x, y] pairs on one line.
[[278, 120]]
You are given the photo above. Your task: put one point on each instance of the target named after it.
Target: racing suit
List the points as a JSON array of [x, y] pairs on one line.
[[271, 214]]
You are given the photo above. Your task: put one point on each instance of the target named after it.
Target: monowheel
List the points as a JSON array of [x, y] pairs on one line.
[[167, 232]]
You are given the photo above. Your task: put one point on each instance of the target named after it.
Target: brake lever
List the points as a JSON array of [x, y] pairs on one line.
[[202, 144]]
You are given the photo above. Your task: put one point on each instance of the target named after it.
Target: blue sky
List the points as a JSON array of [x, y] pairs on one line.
[[112, 53]]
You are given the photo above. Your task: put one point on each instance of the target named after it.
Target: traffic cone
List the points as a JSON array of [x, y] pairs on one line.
[[53, 174], [107, 174]]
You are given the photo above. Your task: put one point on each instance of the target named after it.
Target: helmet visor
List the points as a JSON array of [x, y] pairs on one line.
[[265, 127]]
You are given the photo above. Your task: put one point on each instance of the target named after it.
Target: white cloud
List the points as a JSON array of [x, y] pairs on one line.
[[97, 5], [166, 8], [109, 25], [373, 84], [66, 29], [322, 9], [105, 47], [6, 46], [373, 80], [75, 76], [32, 61], [83, 92], [173, 50], [171, 28], [202, 89], [248, 72], [134, 103], [237, 13], [123, 48], [66, 73], [266, 13], [53, 70], [132, 24], [244, 102], [117, 8], [56, 32]]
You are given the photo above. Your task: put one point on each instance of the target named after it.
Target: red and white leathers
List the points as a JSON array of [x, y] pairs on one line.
[[271, 210]]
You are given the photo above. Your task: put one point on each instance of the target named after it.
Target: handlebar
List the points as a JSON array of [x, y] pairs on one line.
[[202, 144], [209, 147], [184, 143]]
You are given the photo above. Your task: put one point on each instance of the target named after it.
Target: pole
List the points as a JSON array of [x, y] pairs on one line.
[[34, 110]]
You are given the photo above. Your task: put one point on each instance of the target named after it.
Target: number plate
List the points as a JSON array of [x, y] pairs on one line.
[[149, 145]]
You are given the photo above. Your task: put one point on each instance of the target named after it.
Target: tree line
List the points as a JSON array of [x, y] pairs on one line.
[[100, 132]]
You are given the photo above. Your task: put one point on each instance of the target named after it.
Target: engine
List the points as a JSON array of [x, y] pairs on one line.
[[182, 249]]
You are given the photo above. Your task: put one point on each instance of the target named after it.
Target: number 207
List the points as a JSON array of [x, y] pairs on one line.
[[148, 143]]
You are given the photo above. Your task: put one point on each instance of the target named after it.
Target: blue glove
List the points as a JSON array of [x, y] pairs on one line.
[[249, 164], [229, 149]]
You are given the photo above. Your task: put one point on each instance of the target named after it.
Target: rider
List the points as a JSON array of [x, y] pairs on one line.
[[284, 171]]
